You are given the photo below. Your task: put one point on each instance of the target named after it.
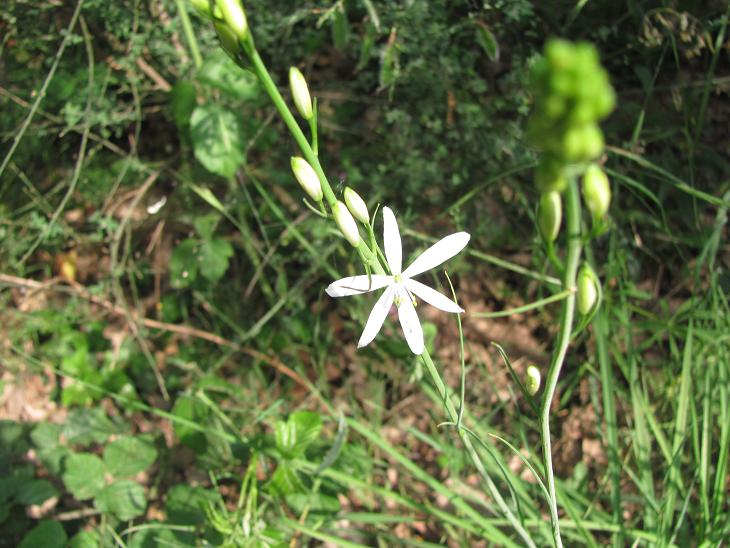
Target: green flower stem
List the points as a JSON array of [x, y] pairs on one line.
[[309, 154], [567, 314], [472, 452], [189, 34]]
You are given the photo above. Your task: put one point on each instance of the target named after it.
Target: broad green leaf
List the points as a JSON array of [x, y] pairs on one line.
[[124, 498], [85, 539], [85, 426], [214, 259], [128, 456], [184, 504], [47, 534], [488, 42], [219, 71], [217, 139], [205, 225], [46, 435], [35, 492], [285, 480], [182, 103], [184, 264], [154, 537], [192, 412], [83, 475]]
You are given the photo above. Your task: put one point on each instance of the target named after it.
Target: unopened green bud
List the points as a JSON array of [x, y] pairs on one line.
[[596, 191], [532, 380], [549, 215], [228, 40], [300, 93], [588, 288], [346, 222], [307, 177], [202, 7], [357, 206], [234, 16]]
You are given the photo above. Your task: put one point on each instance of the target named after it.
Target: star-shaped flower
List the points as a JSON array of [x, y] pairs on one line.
[[400, 287]]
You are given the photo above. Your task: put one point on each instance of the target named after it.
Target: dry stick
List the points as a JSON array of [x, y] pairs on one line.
[[42, 93]]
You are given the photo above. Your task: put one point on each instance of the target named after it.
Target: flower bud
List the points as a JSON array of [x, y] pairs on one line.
[[532, 380], [346, 222], [588, 286], [300, 93], [234, 16], [307, 177], [202, 7], [357, 206], [596, 191], [549, 215], [228, 40]]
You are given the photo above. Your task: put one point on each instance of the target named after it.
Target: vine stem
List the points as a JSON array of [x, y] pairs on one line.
[[472, 452], [567, 315]]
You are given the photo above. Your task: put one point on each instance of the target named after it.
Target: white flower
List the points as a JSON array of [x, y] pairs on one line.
[[400, 287]]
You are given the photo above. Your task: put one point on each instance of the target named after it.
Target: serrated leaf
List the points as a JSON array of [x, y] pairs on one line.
[[48, 534], [214, 256], [46, 435], [488, 42], [184, 264], [83, 475], [124, 498], [217, 139], [129, 456]]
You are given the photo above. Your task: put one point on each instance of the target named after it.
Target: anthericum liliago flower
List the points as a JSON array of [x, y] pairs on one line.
[[400, 287]]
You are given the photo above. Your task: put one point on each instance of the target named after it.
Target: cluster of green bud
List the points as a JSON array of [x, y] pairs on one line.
[[572, 94]]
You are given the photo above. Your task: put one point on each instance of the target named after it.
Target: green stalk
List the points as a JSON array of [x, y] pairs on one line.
[[472, 452], [309, 154], [567, 314], [189, 34]]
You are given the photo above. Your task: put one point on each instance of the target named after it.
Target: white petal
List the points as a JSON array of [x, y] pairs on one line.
[[432, 297], [377, 317], [391, 241], [410, 323], [438, 253], [355, 285]]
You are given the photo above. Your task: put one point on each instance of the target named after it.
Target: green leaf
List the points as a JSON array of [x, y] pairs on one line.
[[128, 456], [221, 72], [46, 435], [85, 426], [182, 103], [205, 225], [35, 492], [154, 537], [47, 534], [340, 28], [184, 264], [184, 504], [488, 42], [214, 259], [193, 412], [313, 502], [85, 539], [83, 475], [294, 435], [217, 140], [206, 194], [285, 480], [125, 499]]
